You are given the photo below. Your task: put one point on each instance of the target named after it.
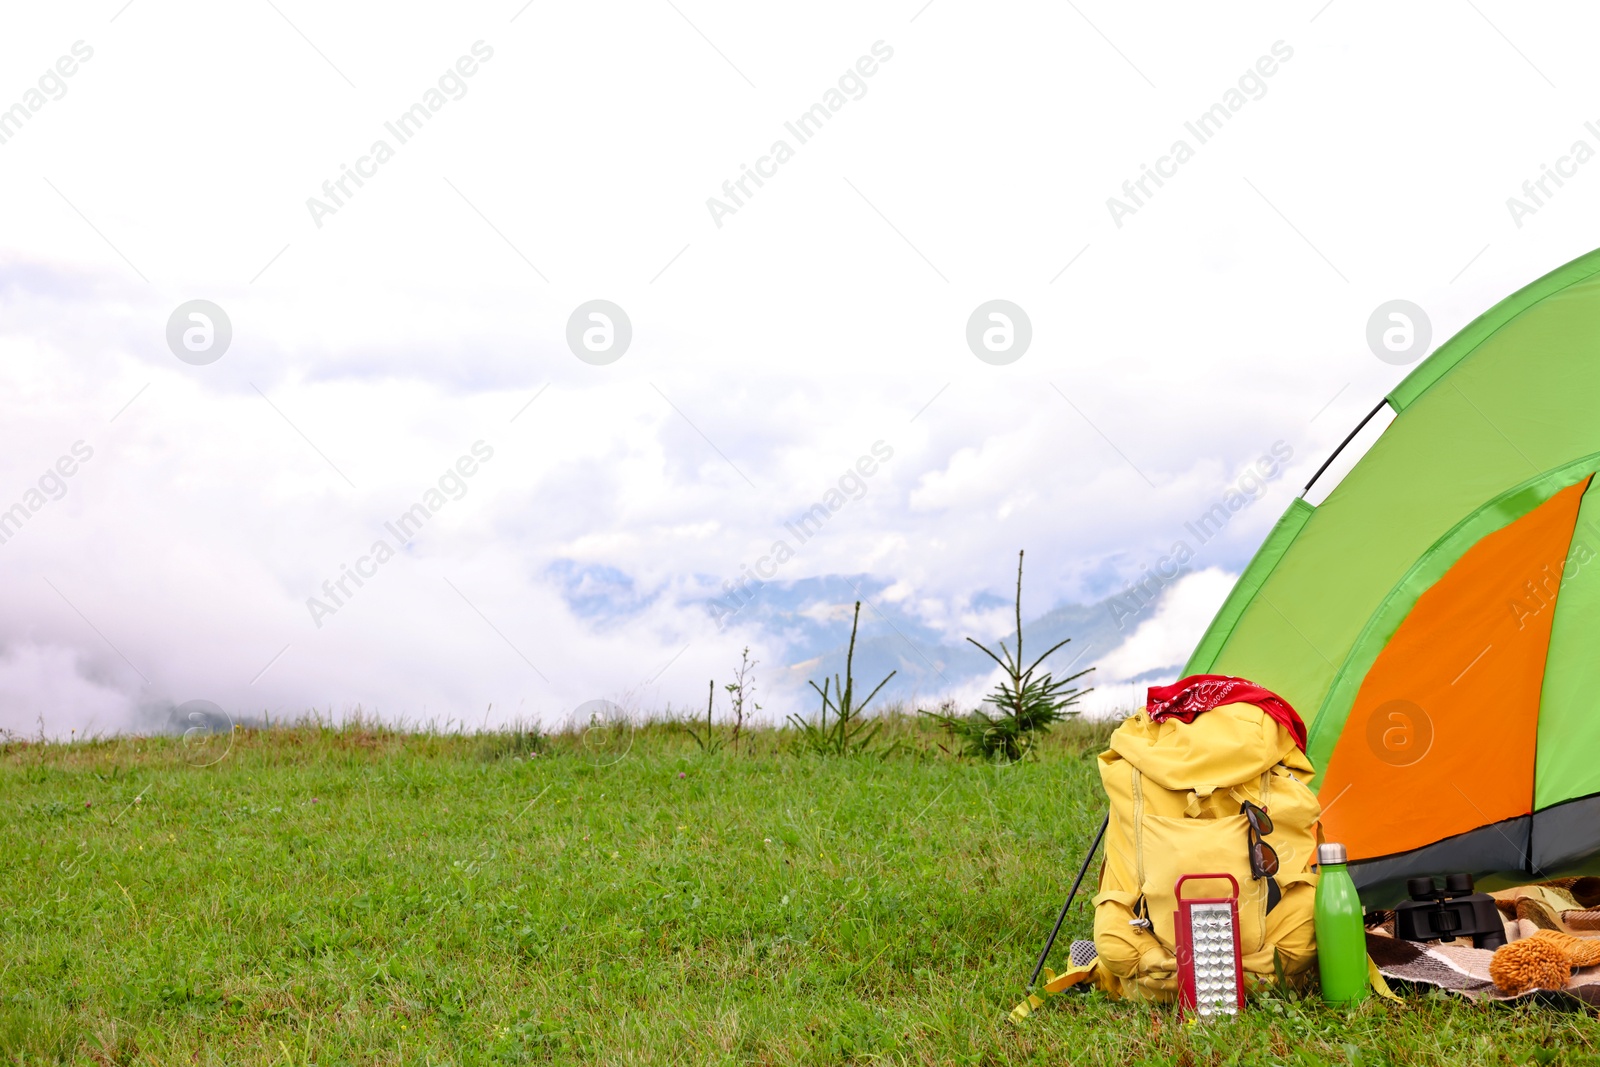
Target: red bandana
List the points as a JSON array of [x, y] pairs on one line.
[[1185, 699]]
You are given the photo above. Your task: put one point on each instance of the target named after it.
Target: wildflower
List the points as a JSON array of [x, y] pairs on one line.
[[682, 774]]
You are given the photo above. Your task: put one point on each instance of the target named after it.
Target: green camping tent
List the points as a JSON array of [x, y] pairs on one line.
[[1436, 619]]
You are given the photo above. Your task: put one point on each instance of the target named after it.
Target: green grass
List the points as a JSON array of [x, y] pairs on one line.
[[362, 896]]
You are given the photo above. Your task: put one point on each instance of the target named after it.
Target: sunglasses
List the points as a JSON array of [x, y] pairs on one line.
[[1263, 857]]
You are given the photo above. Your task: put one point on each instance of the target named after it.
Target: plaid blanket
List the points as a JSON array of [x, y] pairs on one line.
[[1569, 905]]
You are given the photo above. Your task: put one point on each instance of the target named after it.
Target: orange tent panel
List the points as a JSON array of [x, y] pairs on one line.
[[1442, 734]]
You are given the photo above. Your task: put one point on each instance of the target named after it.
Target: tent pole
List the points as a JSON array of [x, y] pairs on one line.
[[1329, 461], [1076, 882]]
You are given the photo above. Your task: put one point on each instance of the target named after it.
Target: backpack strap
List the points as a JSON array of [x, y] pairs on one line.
[[1138, 825], [1274, 890]]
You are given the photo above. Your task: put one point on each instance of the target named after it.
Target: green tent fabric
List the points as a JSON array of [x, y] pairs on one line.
[[1488, 433]]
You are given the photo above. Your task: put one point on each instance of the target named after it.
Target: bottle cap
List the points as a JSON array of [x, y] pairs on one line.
[[1331, 854]]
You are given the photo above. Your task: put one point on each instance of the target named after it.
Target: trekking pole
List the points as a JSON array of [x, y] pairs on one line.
[[1076, 882]]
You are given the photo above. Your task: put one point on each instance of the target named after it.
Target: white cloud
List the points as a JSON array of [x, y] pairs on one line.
[[826, 315], [1170, 634], [46, 687]]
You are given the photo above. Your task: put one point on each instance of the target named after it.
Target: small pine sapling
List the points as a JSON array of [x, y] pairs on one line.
[[1026, 702], [845, 733]]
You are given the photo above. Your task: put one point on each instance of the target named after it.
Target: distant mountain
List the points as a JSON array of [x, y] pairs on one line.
[[812, 618], [809, 619]]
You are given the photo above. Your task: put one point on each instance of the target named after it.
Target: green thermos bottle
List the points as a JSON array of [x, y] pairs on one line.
[[1341, 934]]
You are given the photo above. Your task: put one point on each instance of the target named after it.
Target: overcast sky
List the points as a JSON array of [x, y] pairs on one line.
[[781, 333]]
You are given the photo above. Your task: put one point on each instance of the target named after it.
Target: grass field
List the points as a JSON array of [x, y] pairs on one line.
[[360, 896]]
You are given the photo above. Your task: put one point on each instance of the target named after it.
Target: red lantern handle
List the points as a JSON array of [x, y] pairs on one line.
[[1177, 890]]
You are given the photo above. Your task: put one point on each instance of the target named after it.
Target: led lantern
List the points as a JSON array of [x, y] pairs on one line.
[[1210, 970]]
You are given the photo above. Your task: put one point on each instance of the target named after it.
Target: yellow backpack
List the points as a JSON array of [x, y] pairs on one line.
[[1176, 792]]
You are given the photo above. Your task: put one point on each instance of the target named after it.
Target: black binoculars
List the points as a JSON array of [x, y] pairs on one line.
[[1435, 914]]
